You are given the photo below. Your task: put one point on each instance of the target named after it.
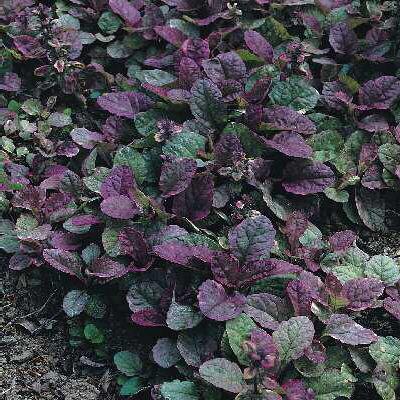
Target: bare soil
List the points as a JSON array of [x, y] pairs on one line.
[[36, 361]]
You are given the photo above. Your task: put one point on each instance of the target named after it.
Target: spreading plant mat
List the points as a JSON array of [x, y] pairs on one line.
[[203, 198]]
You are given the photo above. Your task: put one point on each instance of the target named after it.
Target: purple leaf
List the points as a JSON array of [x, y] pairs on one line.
[[307, 177], [196, 49], [85, 220], [196, 201], [301, 294], [286, 119], [341, 327], [119, 207], [267, 309], [228, 150], [390, 305], [120, 181], [373, 123], [372, 178], [227, 270], [10, 82], [262, 349], [379, 93], [362, 293], [86, 138], [29, 46], [189, 72], [226, 66], [259, 46], [216, 304], [126, 11], [67, 148], [290, 143], [342, 241], [65, 241], [196, 346], [165, 353], [371, 208], [316, 352], [335, 96], [183, 254], [149, 317], [171, 35], [259, 91], [252, 239], [19, 262], [343, 39], [295, 389], [64, 261], [176, 176], [133, 244], [105, 267], [368, 154], [116, 103]]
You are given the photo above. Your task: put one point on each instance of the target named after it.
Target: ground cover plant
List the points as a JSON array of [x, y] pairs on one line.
[[182, 156]]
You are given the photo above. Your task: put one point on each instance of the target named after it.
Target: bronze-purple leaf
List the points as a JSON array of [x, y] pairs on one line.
[[341, 327], [216, 304], [307, 177], [176, 176], [343, 39], [195, 201], [362, 293]]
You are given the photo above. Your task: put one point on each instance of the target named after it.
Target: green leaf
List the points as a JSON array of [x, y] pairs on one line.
[[59, 120], [110, 241], [94, 334], [75, 302], [274, 31], [146, 122], [109, 23], [132, 158], [7, 144], [386, 352], [128, 363], [131, 386], [293, 337], [296, 93], [389, 156], [371, 207], [185, 144], [326, 145], [251, 145], [340, 196], [179, 390], [185, 27], [386, 383], [32, 106], [312, 237], [157, 77], [180, 317], [206, 103], [384, 268], [94, 181], [96, 307], [223, 374], [332, 384], [345, 266], [9, 243], [239, 330]]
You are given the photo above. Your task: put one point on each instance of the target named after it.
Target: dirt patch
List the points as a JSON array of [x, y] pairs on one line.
[[36, 361]]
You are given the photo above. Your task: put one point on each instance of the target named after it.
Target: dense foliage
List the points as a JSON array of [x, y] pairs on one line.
[[183, 151]]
